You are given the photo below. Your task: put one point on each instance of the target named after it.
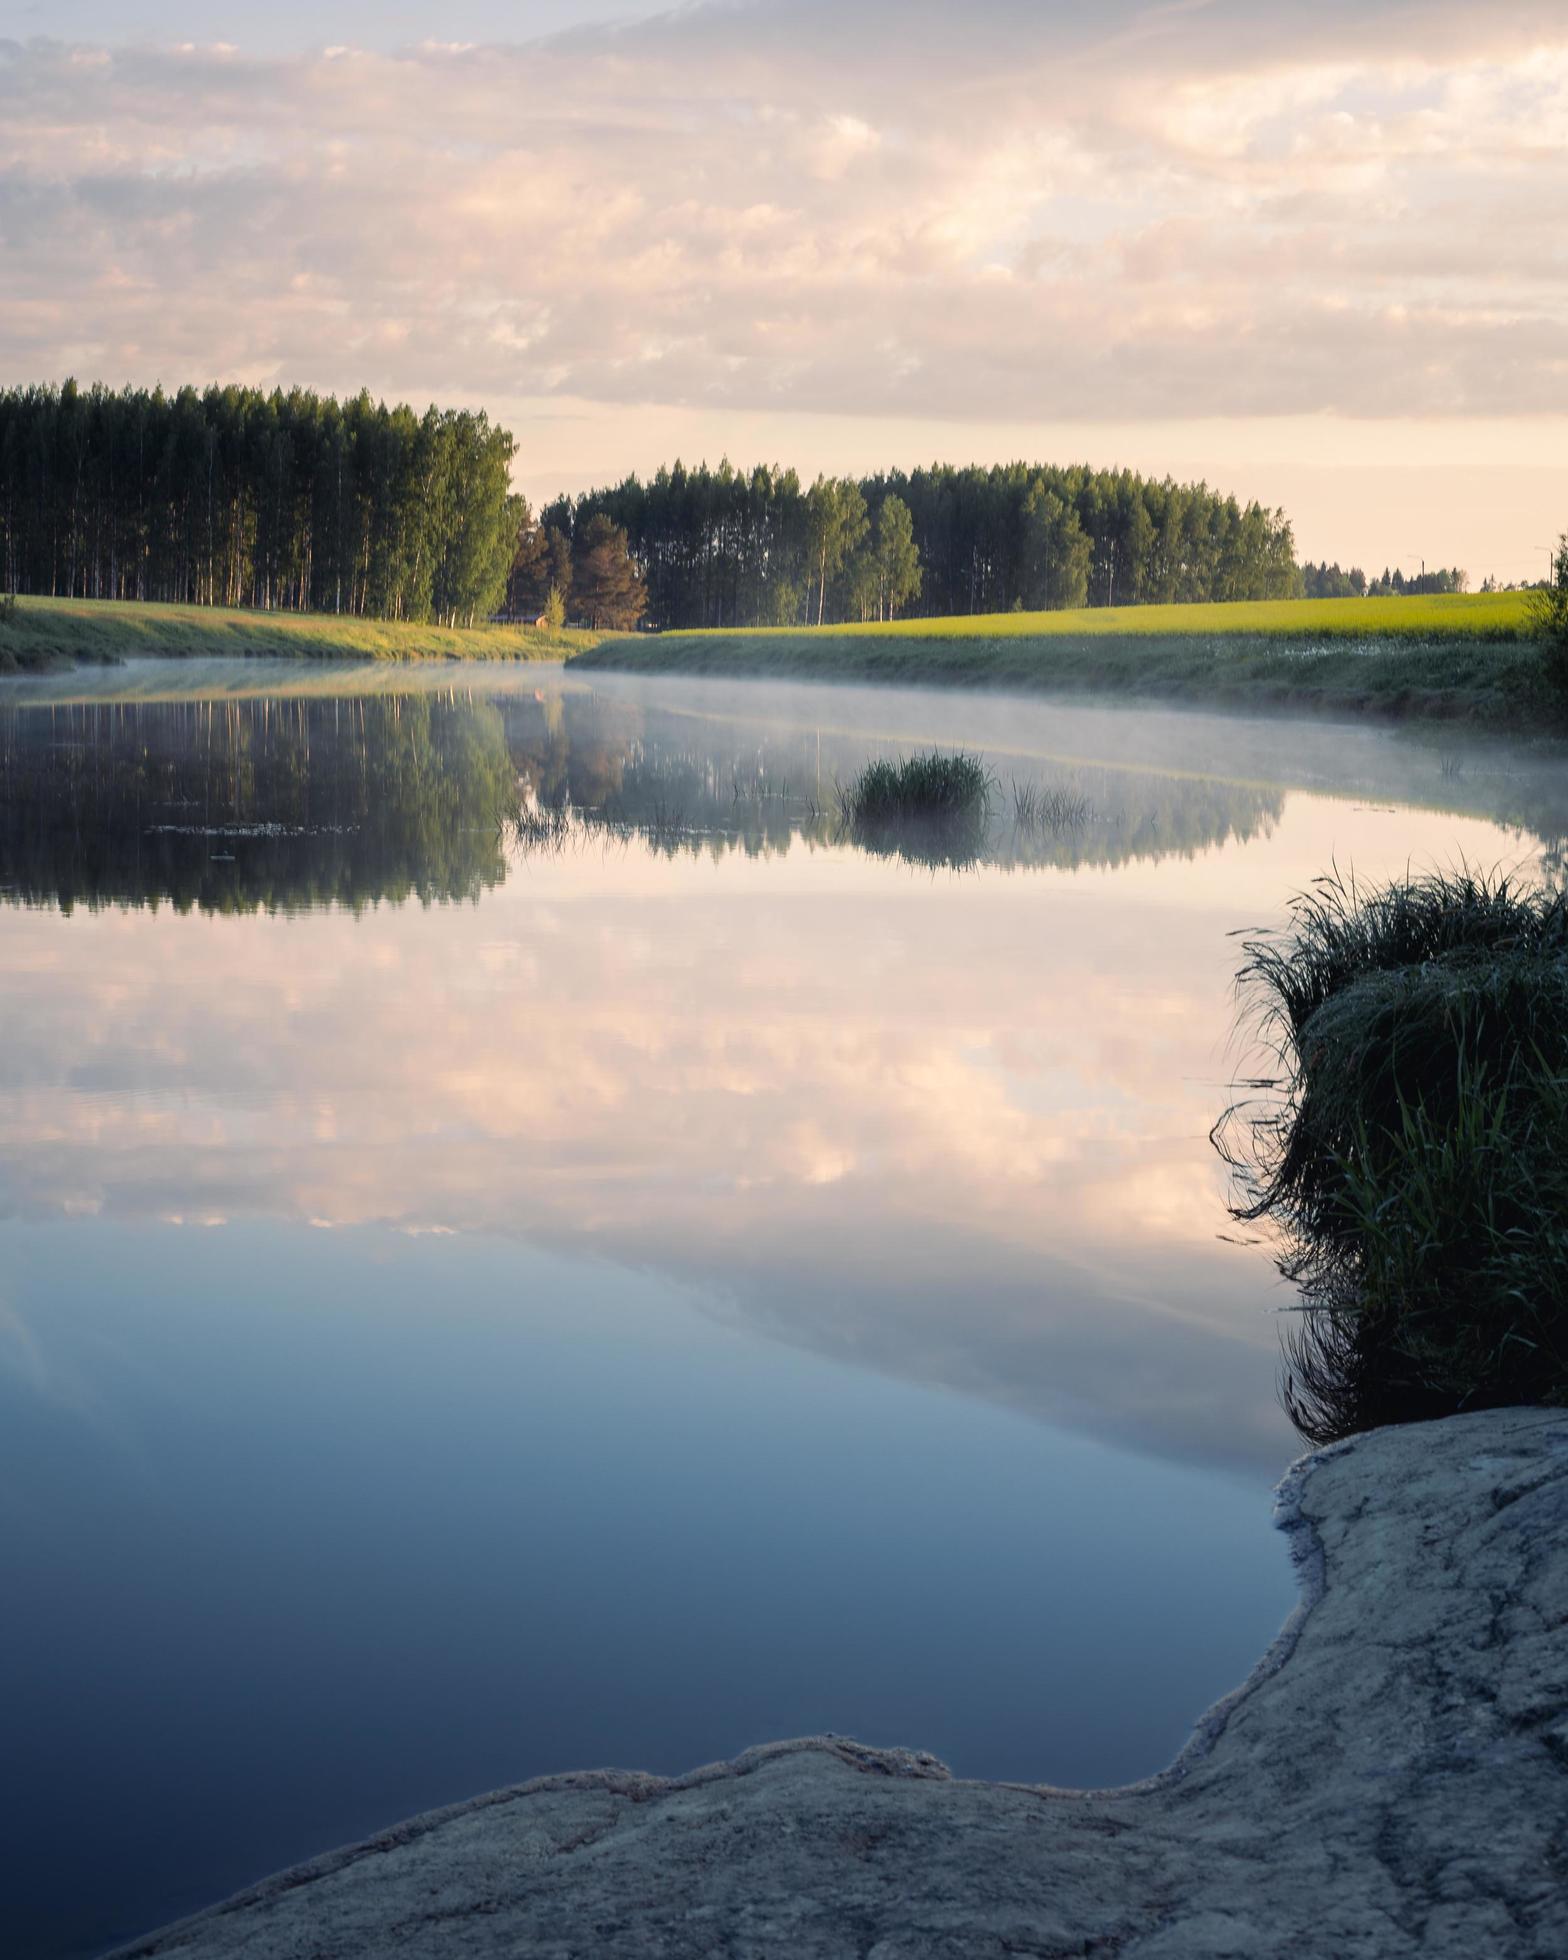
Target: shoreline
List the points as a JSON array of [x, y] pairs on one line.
[[1490, 684], [822, 1846], [1470, 664]]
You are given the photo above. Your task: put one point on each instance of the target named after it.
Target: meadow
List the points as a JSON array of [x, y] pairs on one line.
[[54, 632]]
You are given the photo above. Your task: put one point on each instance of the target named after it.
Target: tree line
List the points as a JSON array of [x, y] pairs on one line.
[[235, 497], [232, 496], [728, 547], [1327, 581]]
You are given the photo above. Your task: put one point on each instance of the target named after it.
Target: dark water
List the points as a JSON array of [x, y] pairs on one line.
[[523, 1249]]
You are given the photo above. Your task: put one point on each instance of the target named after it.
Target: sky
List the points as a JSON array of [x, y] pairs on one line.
[[1308, 251]]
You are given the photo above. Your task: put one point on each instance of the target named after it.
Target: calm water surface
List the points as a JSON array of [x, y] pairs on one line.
[[485, 1297]]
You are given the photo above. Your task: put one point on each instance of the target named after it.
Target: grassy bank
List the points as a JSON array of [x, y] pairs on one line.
[[1466, 656], [43, 633], [1414, 1153]]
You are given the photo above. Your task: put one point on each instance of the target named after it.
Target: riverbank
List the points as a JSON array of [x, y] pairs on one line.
[[1464, 658], [1390, 1781], [54, 633]]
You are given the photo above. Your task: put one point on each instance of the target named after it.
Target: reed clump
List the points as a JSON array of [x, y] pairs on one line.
[[931, 809], [1040, 808], [1413, 1153], [934, 788], [541, 829]]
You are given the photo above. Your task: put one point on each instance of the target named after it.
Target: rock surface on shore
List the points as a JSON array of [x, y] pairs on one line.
[[1392, 1780]]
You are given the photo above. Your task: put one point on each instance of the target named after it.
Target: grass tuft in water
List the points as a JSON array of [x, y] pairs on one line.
[[930, 809], [1414, 1154], [919, 789], [542, 829], [1038, 808]]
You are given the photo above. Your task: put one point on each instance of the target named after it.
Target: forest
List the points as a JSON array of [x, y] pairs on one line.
[[297, 502], [233, 497], [726, 547]]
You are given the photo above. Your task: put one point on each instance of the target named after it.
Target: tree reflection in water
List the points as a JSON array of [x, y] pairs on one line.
[[307, 799]]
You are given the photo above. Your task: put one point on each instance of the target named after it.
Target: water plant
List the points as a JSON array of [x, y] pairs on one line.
[[542, 829], [1412, 1153], [1038, 807], [931, 809], [930, 789]]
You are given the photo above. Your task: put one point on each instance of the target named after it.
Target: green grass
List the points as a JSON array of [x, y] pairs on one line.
[[44, 633], [1415, 1156], [1466, 656]]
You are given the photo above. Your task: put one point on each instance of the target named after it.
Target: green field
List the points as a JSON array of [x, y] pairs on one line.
[[1470, 615], [54, 632], [1466, 656]]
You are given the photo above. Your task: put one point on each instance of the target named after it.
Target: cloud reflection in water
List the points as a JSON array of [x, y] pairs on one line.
[[952, 1128]]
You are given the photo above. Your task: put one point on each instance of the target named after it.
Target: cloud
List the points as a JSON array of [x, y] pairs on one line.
[[1021, 213]]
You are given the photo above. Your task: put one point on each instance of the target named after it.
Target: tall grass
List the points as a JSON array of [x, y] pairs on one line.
[[1414, 1152], [1040, 807]]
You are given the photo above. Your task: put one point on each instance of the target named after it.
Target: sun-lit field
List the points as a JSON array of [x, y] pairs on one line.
[[104, 629], [1484, 615]]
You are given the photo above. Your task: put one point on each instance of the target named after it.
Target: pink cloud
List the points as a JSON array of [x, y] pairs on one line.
[[1124, 212]]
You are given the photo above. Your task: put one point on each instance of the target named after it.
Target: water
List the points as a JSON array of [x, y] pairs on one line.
[[481, 1300]]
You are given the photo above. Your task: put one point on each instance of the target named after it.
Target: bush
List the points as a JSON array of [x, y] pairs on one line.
[[7, 608], [1415, 1160], [1549, 616]]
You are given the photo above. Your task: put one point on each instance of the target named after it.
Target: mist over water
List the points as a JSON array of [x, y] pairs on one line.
[[526, 1248]]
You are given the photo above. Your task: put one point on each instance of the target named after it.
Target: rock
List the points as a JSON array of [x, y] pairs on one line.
[[1393, 1779]]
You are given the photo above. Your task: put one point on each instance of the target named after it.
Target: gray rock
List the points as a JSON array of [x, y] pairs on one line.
[[1393, 1779]]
